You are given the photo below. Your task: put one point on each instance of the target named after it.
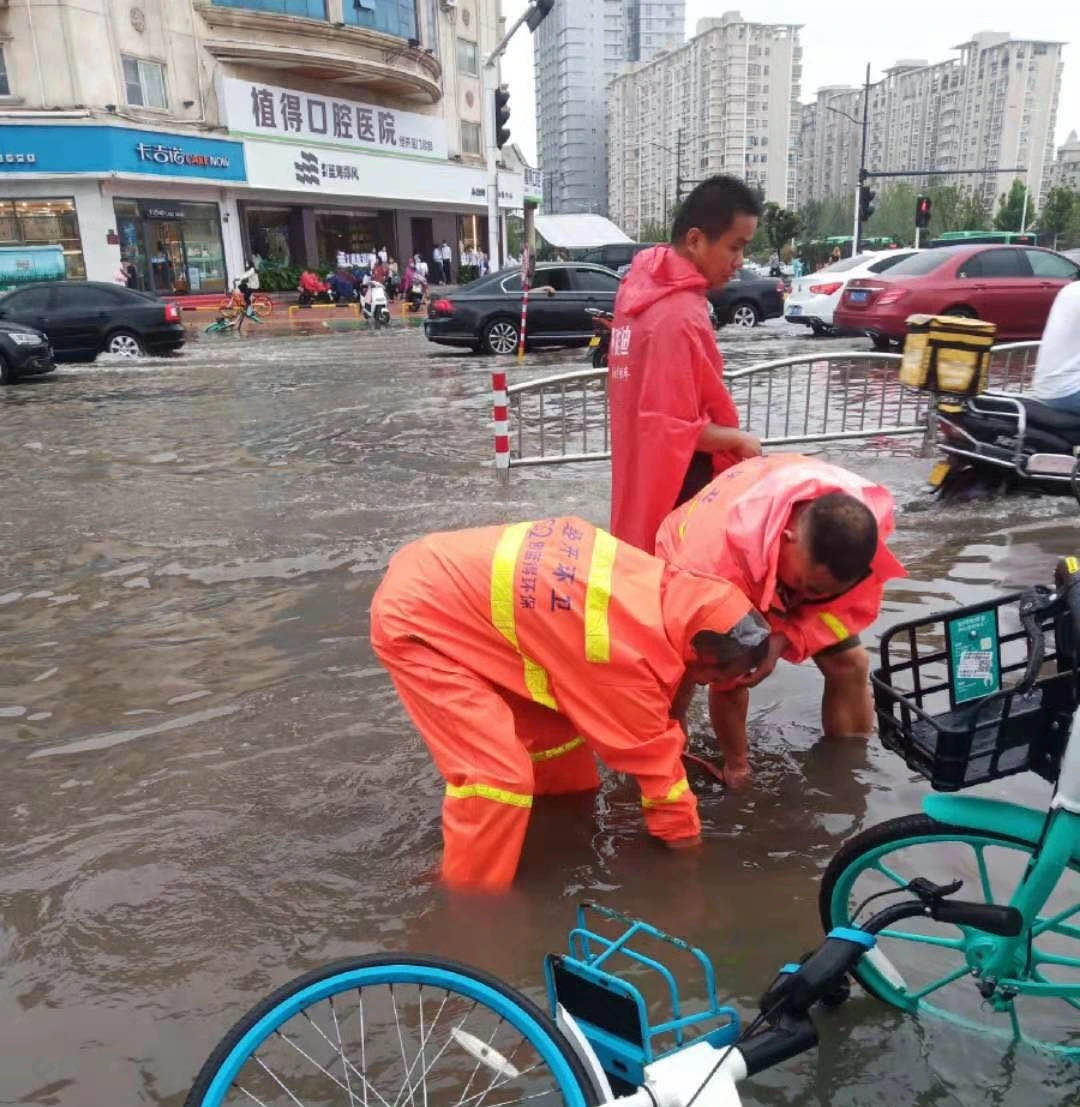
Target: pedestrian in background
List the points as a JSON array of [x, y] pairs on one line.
[[446, 257]]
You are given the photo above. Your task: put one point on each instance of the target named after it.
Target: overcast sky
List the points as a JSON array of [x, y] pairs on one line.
[[840, 37]]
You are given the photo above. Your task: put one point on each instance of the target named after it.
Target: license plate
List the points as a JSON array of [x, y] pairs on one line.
[[795, 309], [937, 474], [858, 296], [594, 341]]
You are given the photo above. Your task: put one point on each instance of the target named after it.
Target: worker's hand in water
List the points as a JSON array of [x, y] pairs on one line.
[[777, 645], [683, 843]]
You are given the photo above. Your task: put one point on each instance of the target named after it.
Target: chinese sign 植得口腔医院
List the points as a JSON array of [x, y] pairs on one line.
[[267, 111]]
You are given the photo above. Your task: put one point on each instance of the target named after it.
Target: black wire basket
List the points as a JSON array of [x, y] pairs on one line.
[[947, 700]]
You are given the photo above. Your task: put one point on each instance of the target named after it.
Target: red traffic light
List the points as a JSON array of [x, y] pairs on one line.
[[922, 212]]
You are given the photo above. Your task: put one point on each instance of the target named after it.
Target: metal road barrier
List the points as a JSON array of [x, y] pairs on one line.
[[813, 398]]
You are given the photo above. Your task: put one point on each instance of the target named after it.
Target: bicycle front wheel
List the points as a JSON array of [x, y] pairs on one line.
[[388, 1031], [262, 305], [927, 967]]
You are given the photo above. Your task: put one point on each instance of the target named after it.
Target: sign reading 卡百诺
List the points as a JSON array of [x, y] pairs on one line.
[[267, 111]]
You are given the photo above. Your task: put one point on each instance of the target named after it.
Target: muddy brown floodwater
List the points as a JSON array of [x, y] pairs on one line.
[[207, 784]]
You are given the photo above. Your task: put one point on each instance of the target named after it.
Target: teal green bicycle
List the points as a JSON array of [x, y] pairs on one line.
[[406, 1031]]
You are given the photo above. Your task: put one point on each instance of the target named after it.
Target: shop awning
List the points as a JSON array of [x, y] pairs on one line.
[[579, 232]]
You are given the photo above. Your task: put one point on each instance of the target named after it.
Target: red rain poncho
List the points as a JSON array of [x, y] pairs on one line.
[[732, 529], [665, 382]]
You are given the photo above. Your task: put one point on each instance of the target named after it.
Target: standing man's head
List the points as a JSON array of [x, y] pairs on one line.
[[714, 226], [825, 550]]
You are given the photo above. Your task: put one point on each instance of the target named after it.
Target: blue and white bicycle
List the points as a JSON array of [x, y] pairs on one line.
[[391, 1031]]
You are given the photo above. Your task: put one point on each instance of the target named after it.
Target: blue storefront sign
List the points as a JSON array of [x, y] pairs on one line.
[[96, 149]]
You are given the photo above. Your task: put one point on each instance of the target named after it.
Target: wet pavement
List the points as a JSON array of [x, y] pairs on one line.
[[206, 782]]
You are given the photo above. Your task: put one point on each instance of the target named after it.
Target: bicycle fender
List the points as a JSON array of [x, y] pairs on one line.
[[978, 813]]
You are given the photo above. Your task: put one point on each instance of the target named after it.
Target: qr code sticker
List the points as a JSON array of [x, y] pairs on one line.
[[986, 643], [976, 663]]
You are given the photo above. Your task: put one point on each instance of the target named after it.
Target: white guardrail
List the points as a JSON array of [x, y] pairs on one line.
[[833, 397]]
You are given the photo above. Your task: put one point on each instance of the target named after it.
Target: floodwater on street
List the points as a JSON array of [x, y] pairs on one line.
[[208, 786]]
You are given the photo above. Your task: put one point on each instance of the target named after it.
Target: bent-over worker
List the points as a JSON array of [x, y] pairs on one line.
[[521, 651], [805, 541]]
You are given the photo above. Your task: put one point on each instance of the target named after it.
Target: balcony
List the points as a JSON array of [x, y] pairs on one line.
[[296, 40]]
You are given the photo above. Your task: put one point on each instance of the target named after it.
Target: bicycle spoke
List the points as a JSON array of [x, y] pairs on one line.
[[941, 983], [472, 1075], [273, 1076], [1014, 1018], [307, 1056], [899, 881], [349, 1065], [423, 1043], [401, 1041], [474, 1100], [253, 1098], [341, 1051], [420, 997], [363, 1047], [1043, 979], [984, 873], [1042, 925], [502, 1072], [436, 1058], [923, 939]]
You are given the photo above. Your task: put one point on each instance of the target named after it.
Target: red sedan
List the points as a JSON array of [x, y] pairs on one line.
[[1012, 286]]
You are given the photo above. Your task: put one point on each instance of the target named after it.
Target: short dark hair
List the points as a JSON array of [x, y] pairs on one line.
[[713, 205], [747, 640], [842, 534]]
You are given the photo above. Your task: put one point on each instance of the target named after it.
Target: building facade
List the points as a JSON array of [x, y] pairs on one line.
[[1066, 169], [178, 139], [725, 102], [993, 106], [580, 49]]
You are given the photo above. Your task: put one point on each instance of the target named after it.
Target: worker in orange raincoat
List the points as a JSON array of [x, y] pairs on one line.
[[805, 541], [673, 424], [520, 651]]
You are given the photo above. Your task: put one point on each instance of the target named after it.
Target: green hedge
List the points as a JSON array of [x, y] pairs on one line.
[[279, 278]]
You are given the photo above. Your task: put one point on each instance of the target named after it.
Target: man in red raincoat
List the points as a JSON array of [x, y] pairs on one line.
[[805, 541], [522, 651], [673, 424]]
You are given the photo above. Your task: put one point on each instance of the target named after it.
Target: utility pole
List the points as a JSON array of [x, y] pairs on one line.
[[855, 240], [678, 171]]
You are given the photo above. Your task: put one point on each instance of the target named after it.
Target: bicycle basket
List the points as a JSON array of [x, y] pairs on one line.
[[944, 704]]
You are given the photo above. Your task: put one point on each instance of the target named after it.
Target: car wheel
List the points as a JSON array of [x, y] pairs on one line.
[[744, 315], [881, 342], [501, 337], [961, 311], [7, 376], [124, 344], [819, 329]]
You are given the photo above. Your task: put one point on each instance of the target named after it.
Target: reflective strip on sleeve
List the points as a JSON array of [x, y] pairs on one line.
[[503, 611], [834, 624], [597, 598], [486, 791], [557, 751], [676, 791], [686, 517]]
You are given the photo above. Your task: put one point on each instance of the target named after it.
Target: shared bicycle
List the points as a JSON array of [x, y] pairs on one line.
[[965, 697]]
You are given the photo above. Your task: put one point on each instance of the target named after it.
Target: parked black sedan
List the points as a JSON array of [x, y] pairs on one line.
[[486, 314], [23, 352], [748, 300], [85, 318]]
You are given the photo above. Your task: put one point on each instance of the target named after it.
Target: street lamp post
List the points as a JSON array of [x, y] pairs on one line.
[[864, 123]]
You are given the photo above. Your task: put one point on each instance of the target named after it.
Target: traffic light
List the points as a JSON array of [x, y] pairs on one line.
[[502, 116], [922, 212], [537, 13], [866, 202]]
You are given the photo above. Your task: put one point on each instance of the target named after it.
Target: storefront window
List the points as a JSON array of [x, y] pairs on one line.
[[44, 223], [170, 247], [392, 17], [345, 232], [268, 234]]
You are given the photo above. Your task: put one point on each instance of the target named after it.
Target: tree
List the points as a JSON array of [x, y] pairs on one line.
[[894, 214], [1057, 213], [1011, 214], [973, 213], [780, 225]]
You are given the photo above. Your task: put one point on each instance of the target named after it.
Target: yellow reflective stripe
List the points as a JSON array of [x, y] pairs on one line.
[[674, 792], [597, 598], [1072, 564], [557, 751], [503, 565], [834, 624], [486, 791], [686, 518]]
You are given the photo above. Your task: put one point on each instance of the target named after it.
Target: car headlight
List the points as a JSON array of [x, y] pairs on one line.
[[25, 339]]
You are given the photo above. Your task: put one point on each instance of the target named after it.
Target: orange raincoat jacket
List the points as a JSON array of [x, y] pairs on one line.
[[732, 529], [519, 651], [665, 382]]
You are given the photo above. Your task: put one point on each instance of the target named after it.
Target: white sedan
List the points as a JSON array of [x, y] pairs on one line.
[[814, 298]]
